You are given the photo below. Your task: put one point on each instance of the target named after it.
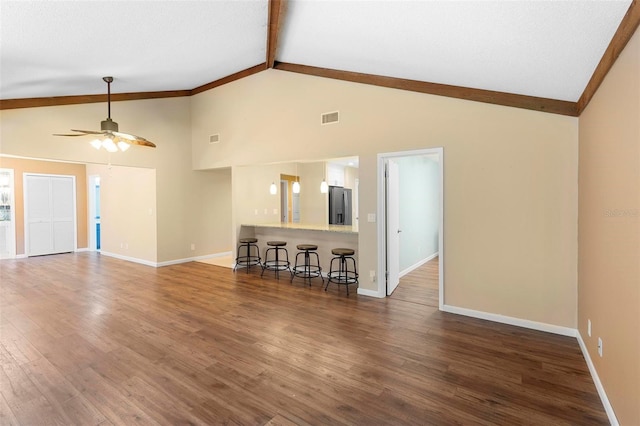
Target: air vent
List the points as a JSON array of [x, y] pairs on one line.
[[214, 138], [330, 117]]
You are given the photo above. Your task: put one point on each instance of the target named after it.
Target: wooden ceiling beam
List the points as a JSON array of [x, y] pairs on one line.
[[277, 11], [87, 99], [487, 96], [228, 79], [625, 31]]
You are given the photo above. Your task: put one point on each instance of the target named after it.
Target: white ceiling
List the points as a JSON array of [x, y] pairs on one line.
[[538, 48]]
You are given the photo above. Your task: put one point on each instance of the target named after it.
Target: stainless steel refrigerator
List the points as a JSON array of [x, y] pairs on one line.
[[339, 206]]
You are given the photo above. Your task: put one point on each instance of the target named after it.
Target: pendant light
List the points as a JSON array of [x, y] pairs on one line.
[[273, 189], [296, 185], [324, 187]]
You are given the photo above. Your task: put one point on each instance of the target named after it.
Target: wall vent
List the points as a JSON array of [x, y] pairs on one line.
[[214, 138], [330, 117]]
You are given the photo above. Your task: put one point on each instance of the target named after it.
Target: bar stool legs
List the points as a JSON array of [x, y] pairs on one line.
[[307, 270], [248, 259], [346, 273], [278, 263]]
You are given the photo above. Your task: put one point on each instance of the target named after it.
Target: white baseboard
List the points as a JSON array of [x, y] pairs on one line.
[[193, 259], [21, 256], [419, 264], [129, 259], [83, 249], [596, 380], [370, 293], [534, 325]]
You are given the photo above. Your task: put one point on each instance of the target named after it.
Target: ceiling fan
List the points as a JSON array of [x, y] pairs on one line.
[[109, 136]]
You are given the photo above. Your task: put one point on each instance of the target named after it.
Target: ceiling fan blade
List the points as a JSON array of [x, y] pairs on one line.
[[69, 134], [89, 132], [133, 139]]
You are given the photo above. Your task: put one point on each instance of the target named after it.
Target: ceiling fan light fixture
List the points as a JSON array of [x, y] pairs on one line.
[[96, 143], [123, 146], [109, 145]]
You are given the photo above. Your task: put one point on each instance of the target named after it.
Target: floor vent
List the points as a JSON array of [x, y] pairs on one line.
[[214, 138], [330, 117]]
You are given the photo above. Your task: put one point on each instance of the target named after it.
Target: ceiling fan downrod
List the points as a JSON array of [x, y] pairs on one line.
[[108, 124]]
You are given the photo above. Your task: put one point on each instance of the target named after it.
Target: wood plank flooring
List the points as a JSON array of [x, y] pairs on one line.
[[91, 340]]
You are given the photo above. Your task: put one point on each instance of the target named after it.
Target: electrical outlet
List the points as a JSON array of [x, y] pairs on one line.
[[600, 346], [589, 327], [193, 246], [372, 276]]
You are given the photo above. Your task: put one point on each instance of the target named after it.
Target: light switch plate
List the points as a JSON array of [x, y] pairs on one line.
[[371, 217]]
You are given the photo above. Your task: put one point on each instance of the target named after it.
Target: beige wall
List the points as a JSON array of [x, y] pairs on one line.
[[314, 205], [127, 211], [21, 166], [510, 177], [192, 206], [609, 232]]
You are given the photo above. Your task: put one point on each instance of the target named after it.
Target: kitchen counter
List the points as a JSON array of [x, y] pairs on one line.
[[347, 229]]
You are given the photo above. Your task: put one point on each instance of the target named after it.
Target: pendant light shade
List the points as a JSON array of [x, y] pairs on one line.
[[273, 189], [324, 187], [296, 187]]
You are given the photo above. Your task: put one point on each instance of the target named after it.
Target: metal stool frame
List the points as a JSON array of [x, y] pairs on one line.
[[276, 264], [248, 260], [307, 270], [343, 275]]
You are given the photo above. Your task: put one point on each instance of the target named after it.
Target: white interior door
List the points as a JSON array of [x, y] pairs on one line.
[[63, 212], [7, 215], [295, 208], [49, 214], [393, 226]]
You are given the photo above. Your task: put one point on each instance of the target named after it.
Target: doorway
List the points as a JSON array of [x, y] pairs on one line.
[[289, 199], [411, 176], [94, 212], [7, 215]]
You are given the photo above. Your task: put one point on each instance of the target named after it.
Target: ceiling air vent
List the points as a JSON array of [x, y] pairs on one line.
[[330, 117], [214, 138]]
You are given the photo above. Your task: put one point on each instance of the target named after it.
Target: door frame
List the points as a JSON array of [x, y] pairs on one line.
[[25, 189], [381, 218]]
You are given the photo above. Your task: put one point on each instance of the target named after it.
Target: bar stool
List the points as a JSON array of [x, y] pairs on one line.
[[278, 263], [248, 259], [343, 275], [307, 270]]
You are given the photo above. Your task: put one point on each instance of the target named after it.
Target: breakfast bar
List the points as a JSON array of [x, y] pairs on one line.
[[326, 237]]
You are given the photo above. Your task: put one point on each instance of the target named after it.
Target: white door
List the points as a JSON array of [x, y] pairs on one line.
[[295, 208], [284, 201], [7, 215], [49, 214], [393, 226]]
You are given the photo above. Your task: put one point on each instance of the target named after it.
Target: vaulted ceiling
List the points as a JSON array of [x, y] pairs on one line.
[[542, 55]]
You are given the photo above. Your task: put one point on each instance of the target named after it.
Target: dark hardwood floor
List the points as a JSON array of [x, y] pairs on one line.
[[91, 340]]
